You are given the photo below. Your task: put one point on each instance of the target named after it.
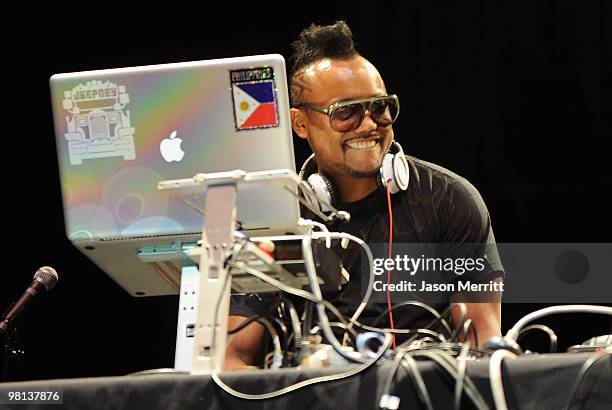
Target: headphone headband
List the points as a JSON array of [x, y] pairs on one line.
[[306, 166], [310, 159], [394, 168]]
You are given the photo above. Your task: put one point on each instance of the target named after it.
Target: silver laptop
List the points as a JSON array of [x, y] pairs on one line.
[[121, 131]]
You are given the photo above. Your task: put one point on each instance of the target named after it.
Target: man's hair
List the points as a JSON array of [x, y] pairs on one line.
[[316, 43]]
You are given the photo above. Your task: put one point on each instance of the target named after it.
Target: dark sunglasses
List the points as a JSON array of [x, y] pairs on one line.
[[345, 116]]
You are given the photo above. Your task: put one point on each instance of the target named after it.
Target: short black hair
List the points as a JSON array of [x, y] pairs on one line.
[[316, 43]]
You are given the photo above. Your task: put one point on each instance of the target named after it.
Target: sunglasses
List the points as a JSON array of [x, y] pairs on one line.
[[345, 116]]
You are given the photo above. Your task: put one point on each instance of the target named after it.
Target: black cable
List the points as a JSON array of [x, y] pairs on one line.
[[308, 307], [396, 331], [396, 364], [586, 367], [307, 317], [467, 326], [470, 388], [276, 313], [456, 348], [410, 364], [244, 324], [444, 313], [352, 334], [461, 367], [418, 304], [462, 319], [447, 364], [295, 321], [269, 327], [295, 386], [266, 323], [307, 321], [345, 321], [284, 330], [285, 310], [552, 336], [308, 382]]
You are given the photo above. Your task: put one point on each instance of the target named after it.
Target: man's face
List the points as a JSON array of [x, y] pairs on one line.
[[356, 153]]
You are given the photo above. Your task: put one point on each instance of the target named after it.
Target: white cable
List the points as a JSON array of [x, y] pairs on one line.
[[277, 354], [322, 227], [276, 283], [310, 266], [461, 369], [277, 357], [309, 296], [366, 248], [447, 362], [306, 187], [516, 329], [495, 377], [238, 245], [295, 322], [296, 386]]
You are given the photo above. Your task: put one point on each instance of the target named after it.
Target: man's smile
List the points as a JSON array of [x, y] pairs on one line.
[[363, 143]]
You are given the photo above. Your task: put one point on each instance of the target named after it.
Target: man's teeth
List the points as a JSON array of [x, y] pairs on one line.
[[356, 144]]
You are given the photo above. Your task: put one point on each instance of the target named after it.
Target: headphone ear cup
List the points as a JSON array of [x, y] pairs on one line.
[[386, 173], [401, 172], [324, 189], [394, 168]]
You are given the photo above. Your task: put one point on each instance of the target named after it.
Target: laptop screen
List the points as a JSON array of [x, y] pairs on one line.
[[121, 131]]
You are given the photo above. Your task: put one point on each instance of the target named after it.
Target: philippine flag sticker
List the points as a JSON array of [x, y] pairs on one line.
[[254, 98]]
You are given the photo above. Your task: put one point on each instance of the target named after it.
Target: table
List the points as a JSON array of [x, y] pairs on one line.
[[530, 382]]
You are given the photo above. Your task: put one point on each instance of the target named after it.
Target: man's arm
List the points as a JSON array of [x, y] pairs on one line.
[[467, 222], [485, 315], [244, 347]]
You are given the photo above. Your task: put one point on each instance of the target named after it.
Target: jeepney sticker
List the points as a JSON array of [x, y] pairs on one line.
[[99, 125]]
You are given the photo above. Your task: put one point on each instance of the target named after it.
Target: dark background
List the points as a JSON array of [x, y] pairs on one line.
[[514, 96]]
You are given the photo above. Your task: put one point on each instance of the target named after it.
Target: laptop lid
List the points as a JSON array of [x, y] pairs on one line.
[[121, 131]]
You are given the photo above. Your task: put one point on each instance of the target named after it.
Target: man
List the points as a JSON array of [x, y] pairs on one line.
[[349, 146]]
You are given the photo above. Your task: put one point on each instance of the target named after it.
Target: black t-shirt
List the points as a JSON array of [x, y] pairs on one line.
[[438, 207]]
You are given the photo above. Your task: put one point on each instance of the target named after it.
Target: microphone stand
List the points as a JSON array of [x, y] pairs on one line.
[[4, 354], [11, 350]]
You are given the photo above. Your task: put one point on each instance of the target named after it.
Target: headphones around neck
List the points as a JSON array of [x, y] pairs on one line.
[[394, 168]]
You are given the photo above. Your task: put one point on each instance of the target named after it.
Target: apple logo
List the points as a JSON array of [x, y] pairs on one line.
[[170, 148]]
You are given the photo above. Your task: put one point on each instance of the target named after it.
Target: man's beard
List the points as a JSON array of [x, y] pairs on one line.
[[361, 174], [357, 173]]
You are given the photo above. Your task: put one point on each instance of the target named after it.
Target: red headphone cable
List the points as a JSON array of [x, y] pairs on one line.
[[390, 256]]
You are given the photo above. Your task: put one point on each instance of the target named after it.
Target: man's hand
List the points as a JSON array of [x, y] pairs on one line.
[[244, 347]]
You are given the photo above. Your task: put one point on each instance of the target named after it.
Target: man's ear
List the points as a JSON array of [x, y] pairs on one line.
[[298, 123]]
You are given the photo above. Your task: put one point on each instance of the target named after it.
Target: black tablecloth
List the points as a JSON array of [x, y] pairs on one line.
[[530, 382]]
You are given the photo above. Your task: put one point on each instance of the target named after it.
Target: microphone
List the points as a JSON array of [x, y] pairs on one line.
[[45, 278]]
